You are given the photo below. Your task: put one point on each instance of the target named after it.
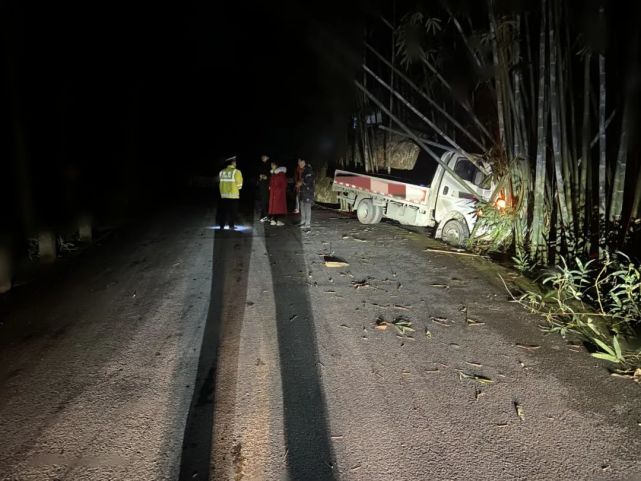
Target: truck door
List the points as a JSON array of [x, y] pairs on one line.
[[453, 199]]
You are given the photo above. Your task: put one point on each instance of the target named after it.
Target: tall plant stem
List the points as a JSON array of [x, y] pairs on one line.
[[555, 98], [420, 92], [416, 139], [538, 249], [429, 122]]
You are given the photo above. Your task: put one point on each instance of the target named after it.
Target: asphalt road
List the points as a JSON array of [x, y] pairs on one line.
[[175, 351]]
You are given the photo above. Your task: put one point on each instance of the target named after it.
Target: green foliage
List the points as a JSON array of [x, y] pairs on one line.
[[493, 230], [600, 304], [522, 262]]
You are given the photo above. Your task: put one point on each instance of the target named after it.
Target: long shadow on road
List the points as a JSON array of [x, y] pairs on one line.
[[231, 254], [309, 452]]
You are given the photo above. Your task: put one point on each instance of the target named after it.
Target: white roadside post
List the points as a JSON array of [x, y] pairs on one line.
[[5, 271], [84, 229], [47, 246]]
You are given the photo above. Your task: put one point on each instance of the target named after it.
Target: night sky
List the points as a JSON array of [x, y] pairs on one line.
[[118, 97]]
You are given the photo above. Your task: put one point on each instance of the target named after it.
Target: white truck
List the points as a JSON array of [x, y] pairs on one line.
[[443, 203]]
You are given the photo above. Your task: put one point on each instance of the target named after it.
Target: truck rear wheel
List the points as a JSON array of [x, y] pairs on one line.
[[366, 211], [379, 214], [455, 232]]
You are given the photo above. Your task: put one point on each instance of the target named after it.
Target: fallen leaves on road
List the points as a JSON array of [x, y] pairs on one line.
[[528, 347], [473, 377], [360, 284], [441, 321], [401, 308], [519, 411], [472, 322], [381, 324], [403, 325], [634, 375], [458, 252], [331, 261]]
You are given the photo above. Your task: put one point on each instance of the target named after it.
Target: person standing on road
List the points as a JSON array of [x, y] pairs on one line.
[[306, 186], [277, 194], [297, 178], [230, 183], [263, 187]]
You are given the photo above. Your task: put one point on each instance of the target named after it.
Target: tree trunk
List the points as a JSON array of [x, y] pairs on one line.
[[602, 146], [557, 134], [584, 164], [618, 181], [538, 249]]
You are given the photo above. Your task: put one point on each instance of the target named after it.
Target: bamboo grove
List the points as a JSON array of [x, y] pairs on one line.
[[547, 92]]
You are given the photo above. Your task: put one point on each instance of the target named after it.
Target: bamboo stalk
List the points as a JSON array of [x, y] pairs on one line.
[[497, 78], [585, 149], [456, 23], [602, 142], [418, 134], [416, 139], [618, 181], [564, 218], [433, 103], [537, 243], [429, 122], [465, 106]]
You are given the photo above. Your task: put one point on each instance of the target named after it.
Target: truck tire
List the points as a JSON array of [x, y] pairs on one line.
[[455, 233], [379, 214], [366, 212]]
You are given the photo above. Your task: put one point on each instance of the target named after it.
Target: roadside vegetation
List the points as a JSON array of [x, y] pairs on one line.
[[551, 102]]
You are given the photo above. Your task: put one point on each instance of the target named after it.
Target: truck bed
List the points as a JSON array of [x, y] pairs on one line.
[[401, 191]]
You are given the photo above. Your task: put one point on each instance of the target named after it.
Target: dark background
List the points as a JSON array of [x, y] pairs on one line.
[[107, 107]]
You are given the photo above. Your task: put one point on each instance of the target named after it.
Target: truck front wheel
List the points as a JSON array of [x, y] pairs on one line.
[[455, 232], [366, 212]]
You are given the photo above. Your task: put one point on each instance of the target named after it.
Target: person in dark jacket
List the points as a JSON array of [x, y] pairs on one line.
[[306, 195], [264, 173]]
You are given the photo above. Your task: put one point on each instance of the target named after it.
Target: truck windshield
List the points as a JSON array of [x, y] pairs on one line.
[[468, 171]]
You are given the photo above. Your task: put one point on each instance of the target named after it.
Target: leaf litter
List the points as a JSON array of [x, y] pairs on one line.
[[519, 410], [403, 325], [474, 377]]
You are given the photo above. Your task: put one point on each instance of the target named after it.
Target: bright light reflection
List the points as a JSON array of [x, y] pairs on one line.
[[238, 228]]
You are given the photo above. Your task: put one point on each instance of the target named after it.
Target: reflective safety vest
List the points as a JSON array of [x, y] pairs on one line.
[[231, 181]]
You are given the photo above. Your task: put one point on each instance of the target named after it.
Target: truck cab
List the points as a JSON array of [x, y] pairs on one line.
[[452, 207]]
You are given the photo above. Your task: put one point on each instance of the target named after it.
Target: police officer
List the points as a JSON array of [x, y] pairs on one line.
[[230, 183]]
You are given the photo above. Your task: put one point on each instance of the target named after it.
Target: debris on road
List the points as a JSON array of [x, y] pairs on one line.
[[401, 308], [428, 334], [473, 377], [519, 410], [381, 324], [403, 325], [459, 252], [360, 284], [442, 286], [332, 261], [528, 347], [472, 322], [441, 321]]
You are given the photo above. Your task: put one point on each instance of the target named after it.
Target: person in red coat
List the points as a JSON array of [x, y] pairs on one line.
[[277, 194]]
